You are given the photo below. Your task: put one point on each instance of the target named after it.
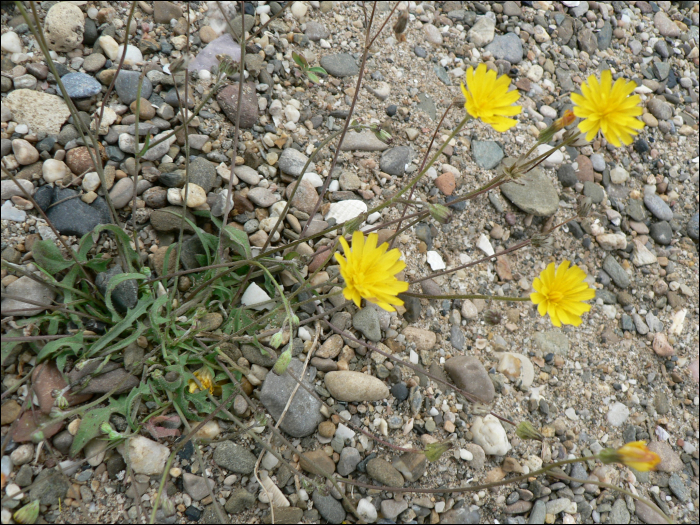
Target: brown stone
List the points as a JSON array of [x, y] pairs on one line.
[[228, 98], [585, 169], [446, 183], [79, 161], [45, 379], [30, 422], [316, 461], [10, 412], [503, 268], [661, 345]]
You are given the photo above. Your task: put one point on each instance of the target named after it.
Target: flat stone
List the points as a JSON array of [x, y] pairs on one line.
[[469, 374], [262, 197], [553, 341], [38, 110], [328, 507], [490, 435], [616, 272], [395, 160], [240, 501], [28, 288], [127, 84], [293, 161], [365, 141], [487, 153], [383, 472], [145, 456], [49, 487], [234, 457], [366, 321], [423, 339], [411, 465], [228, 101], [196, 486], [80, 85], [534, 194], [303, 415], [340, 65], [206, 58], [658, 207], [506, 47], [317, 462], [64, 27]]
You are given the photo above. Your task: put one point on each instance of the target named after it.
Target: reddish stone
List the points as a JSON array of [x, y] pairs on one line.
[[320, 259], [446, 183], [228, 101], [45, 379], [79, 161], [585, 169], [32, 421], [503, 268], [661, 345]]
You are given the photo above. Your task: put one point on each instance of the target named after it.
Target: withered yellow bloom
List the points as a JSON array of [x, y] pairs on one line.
[[206, 378], [635, 455], [488, 99], [607, 107], [561, 293], [370, 271]]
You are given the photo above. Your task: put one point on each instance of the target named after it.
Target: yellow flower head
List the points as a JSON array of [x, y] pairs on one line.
[[206, 378], [635, 455], [370, 271], [488, 98], [607, 107], [561, 292]]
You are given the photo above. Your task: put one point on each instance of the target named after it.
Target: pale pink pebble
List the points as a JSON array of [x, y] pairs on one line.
[[695, 370]]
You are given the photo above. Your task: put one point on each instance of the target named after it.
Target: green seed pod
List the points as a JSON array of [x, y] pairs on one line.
[[28, 514], [283, 362]]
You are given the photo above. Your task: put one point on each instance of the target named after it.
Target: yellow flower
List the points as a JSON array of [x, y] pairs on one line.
[[206, 378], [608, 108], [635, 455], [370, 271], [561, 294], [488, 98]]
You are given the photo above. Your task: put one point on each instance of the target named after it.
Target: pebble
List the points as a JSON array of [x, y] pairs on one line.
[[467, 373], [395, 160], [665, 25], [670, 460], [94, 62], [256, 298], [618, 414], [432, 34], [517, 367], [598, 163], [555, 158], [11, 42], [384, 472], [506, 47], [328, 507], [490, 435], [661, 345], [145, 456], [423, 339], [661, 232], [487, 153], [340, 65], [126, 87], [366, 321], [534, 194], [132, 55], [80, 85], [482, 32], [196, 486], [345, 210], [303, 415], [349, 459], [354, 386], [196, 196], [365, 141], [366, 510], [24, 152], [122, 192], [616, 272], [658, 207], [293, 161], [235, 458], [619, 175], [567, 176], [11, 189], [64, 27], [29, 289]]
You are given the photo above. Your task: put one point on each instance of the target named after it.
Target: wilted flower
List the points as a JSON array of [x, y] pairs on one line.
[[492, 317], [525, 430], [433, 451], [566, 119], [27, 514], [544, 241], [561, 292], [277, 339], [488, 99], [607, 107], [439, 212], [370, 271], [206, 379], [635, 455], [584, 207]]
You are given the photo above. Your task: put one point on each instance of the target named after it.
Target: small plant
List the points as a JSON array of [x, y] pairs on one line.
[[306, 69]]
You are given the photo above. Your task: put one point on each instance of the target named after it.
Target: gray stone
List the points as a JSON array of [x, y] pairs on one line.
[[202, 173], [234, 457], [679, 488], [604, 39], [661, 232], [340, 65], [125, 295], [640, 325], [538, 512], [293, 161], [349, 458], [263, 197], [24, 476], [367, 322], [240, 501], [587, 41], [206, 58], [553, 341], [328, 507], [365, 141], [395, 160], [457, 337], [616, 272], [594, 191], [49, 487], [127, 84], [692, 227], [168, 219], [383, 472], [72, 216], [534, 193], [469, 375], [316, 31], [196, 486], [303, 415], [567, 176], [661, 109], [635, 210], [658, 207], [427, 105], [462, 516], [80, 85], [26, 288], [486, 153], [507, 47]]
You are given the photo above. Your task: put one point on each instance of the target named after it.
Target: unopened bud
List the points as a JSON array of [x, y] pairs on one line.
[[525, 430], [27, 514], [354, 224], [283, 362], [433, 451], [547, 134], [492, 317], [543, 241], [276, 340], [439, 212], [584, 207]]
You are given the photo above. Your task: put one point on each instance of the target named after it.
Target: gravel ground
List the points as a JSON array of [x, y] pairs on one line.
[[629, 372]]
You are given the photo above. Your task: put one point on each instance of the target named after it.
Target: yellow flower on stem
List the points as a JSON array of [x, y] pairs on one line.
[[206, 379], [607, 107], [487, 98], [561, 292], [635, 455], [370, 271]]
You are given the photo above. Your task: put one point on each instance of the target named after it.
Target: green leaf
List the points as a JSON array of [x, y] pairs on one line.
[[135, 394], [128, 322], [74, 342], [86, 243], [98, 265], [49, 257], [238, 239], [146, 145], [319, 70], [90, 427], [312, 77], [300, 60], [9, 346]]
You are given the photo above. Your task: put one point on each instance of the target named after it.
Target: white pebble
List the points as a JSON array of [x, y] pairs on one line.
[[11, 42], [485, 245], [435, 261], [196, 196], [465, 454], [554, 159], [490, 435]]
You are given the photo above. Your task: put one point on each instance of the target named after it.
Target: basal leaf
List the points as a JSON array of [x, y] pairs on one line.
[[49, 257], [89, 427], [238, 239]]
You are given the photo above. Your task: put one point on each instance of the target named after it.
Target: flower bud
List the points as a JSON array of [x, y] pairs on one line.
[[584, 207], [276, 340], [354, 224], [525, 430], [433, 451], [439, 212], [27, 514], [283, 362]]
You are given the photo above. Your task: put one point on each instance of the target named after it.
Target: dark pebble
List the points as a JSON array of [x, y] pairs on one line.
[[420, 52], [400, 392], [192, 513], [641, 146], [661, 232], [575, 229], [391, 110], [692, 227], [567, 176]]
